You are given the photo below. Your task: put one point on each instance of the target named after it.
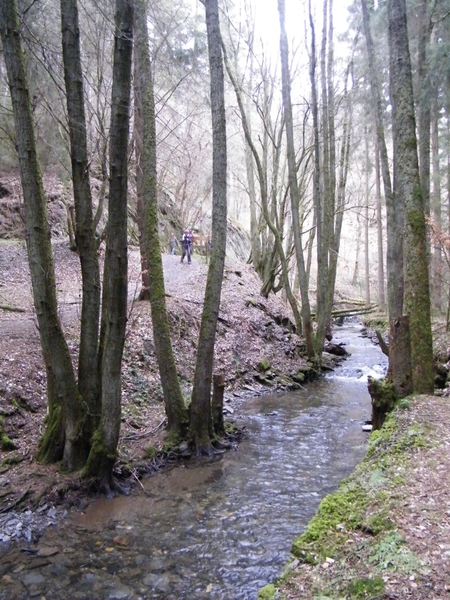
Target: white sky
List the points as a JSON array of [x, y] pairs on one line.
[[296, 17]]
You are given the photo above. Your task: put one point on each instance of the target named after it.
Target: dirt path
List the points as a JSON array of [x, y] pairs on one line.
[[17, 314]]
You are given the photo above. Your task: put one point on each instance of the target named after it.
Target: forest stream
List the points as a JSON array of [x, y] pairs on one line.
[[219, 530]]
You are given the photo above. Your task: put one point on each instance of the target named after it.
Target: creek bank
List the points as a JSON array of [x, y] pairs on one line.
[[27, 523], [385, 532]]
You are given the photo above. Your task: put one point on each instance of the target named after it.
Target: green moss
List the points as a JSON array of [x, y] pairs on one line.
[[13, 460], [299, 377], [268, 592], [50, 445], [382, 436], [384, 399], [150, 452], [404, 403], [378, 321], [171, 442], [378, 523], [357, 526], [337, 513], [367, 587], [263, 365], [6, 443]]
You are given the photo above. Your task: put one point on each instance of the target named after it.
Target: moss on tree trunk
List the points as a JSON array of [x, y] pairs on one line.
[[383, 400]]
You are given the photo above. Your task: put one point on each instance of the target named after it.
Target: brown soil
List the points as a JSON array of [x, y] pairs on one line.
[[250, 328]]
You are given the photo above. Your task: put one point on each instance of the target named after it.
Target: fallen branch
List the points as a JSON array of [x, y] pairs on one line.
[[138, 480], [138, 436], [16, 502], [350, 312], [384, 347], [12, 308]]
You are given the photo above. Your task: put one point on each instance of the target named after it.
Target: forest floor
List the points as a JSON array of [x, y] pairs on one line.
[[250, 328]]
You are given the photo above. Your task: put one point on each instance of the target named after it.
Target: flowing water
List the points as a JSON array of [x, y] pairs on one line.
[[220, 530]]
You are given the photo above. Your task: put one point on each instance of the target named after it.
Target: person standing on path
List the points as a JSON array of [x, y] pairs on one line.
[[173, 243], [186, 244]]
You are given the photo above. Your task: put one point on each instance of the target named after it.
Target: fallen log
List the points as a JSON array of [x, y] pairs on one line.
[[12, 308]]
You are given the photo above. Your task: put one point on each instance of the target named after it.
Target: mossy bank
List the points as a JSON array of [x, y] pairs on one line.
[[385, 532]]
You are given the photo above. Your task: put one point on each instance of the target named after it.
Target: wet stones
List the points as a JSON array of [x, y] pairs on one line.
[[27, 526]]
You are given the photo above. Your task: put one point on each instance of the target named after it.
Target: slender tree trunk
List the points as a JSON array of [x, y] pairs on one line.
[[355, 277], [424, 114], [250, 170], [61, 439], [436, 201], [381, 298], [293, 182], [394, 222], [138, 129], [269, 261], [114, 306], [86, 244], [408, 193], [177, 416], [366, 218], [331, 171], [201, 419]]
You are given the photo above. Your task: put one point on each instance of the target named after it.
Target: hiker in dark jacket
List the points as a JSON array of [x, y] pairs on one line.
[[187, 240]]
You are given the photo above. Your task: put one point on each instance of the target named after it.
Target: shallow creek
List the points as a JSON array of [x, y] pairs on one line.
[[219, 530]]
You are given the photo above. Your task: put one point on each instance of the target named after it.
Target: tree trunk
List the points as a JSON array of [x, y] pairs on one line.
[[408, 193], [138, 130], [437, 262], [293, 183], [394, 212], [177, 416], [381, 298], [88, 375], [383, 400], [200, 420], [114, 306], [61, 439], [400, 374], [217, 404], [424, 114], [366, 218]]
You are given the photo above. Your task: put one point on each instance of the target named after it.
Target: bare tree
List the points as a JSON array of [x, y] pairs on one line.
[[86, 243], [64, 403], [293, 182], [176, 411], [394, 222], [407, 192], [201, 419], [103, 452]]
